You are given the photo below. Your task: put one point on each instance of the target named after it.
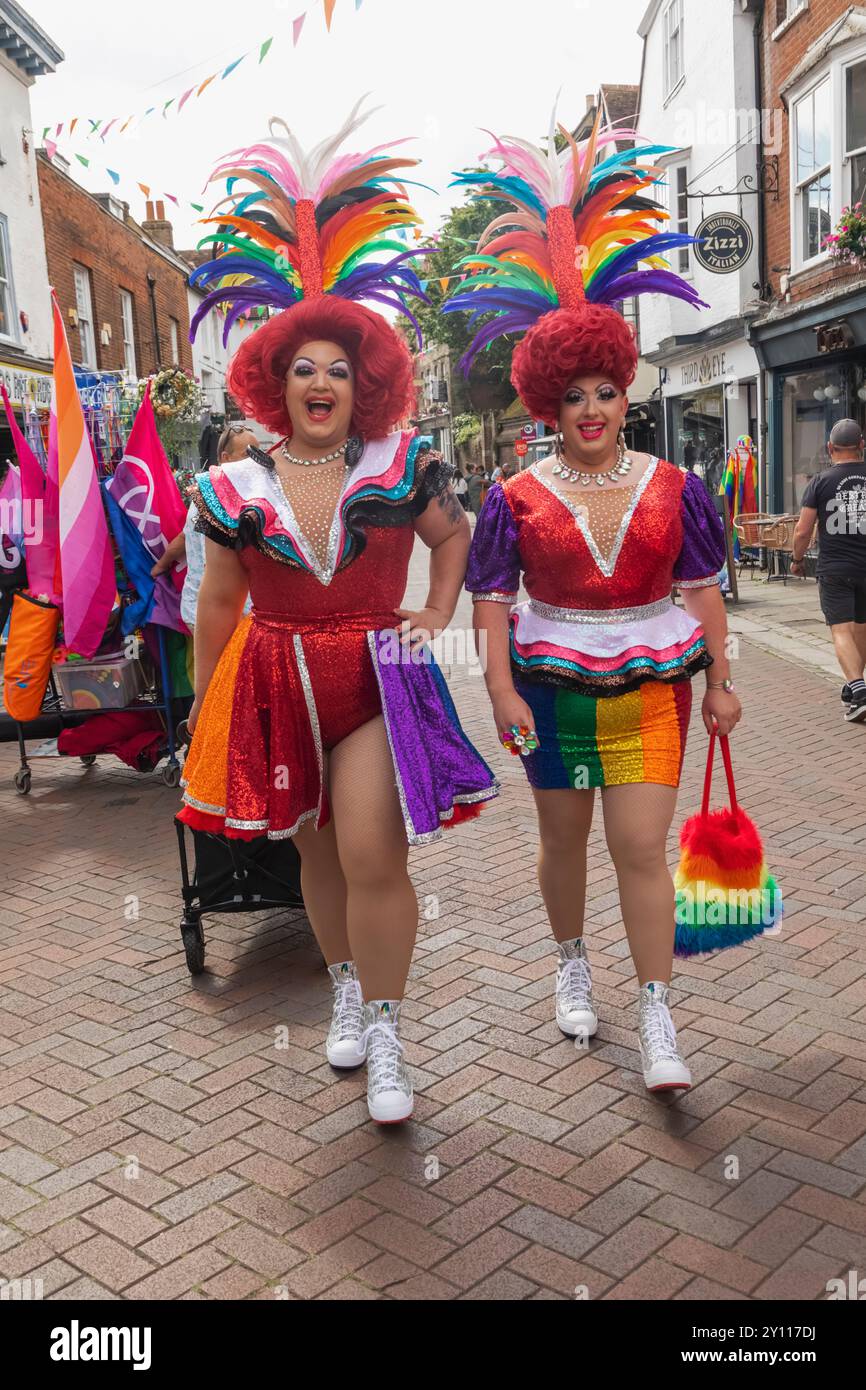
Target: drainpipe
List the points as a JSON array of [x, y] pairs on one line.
[[151, 289], [763, 440]]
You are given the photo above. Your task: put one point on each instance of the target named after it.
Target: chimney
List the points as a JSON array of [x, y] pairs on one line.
[[157, 225], [590, 100]]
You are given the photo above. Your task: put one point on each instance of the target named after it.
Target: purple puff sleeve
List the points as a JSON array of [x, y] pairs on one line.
[[703, 552], [493, 574]]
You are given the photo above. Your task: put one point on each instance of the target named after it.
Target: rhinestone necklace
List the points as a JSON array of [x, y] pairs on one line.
[[621, 468], [307, 463]]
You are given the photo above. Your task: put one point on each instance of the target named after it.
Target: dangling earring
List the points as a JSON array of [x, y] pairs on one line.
[[557, 446], [621, 446]]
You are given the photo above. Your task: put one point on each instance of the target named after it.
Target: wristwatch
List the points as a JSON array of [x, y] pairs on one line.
[[727, 685]]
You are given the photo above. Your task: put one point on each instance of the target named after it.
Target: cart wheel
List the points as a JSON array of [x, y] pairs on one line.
[[193, 944], [171, 775], [88, 760], [23, 778]]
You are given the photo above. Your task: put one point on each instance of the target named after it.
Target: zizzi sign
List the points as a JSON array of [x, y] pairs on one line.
[[703, 371], [724, 243]]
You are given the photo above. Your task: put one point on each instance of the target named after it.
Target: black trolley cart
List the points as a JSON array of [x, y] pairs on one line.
[[55, 717], [232, 876]]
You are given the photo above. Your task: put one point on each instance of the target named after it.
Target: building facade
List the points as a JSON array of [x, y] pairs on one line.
[[210, 358], [121, 286], [812, 338], [699, 95], [26, 54], [433, 402]]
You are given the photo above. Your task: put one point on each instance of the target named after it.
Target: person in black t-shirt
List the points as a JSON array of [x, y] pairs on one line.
[[836, 499]]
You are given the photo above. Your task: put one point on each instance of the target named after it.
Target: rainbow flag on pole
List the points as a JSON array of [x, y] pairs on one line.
[[86, 561]]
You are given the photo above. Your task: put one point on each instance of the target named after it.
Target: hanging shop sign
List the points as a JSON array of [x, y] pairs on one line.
[[724, 243]]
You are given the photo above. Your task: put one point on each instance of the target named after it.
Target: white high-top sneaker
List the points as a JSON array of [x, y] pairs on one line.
[[663, 1067], [346, 1047], [389, 1090], [575, 1010]]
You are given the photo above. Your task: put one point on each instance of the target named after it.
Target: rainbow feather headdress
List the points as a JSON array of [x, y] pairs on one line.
[[527, 260], [295, 225]]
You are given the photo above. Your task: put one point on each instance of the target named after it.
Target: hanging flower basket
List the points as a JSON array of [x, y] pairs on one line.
[[847, 244]]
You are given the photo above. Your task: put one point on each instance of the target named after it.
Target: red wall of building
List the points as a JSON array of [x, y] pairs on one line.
[[780, 57], [78, 229]]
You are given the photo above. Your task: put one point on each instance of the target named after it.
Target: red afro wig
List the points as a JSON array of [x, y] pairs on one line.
[[591, 341], [384, 375]]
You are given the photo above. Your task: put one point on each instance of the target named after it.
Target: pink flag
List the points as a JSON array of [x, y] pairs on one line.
[[297, 26], [86, 559], [39, 514], [11, 524], [144, 488]]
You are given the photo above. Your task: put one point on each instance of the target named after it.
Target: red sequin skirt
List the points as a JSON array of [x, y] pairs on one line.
[[283, 693]]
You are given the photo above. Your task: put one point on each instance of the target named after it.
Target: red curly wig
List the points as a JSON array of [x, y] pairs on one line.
[[384, 376], [591, 341]]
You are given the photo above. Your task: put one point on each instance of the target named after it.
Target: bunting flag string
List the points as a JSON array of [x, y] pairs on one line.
[[117, 125], [146, 188]]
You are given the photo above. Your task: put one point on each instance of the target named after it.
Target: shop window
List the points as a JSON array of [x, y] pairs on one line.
[[812, 402], [175, 341], [698, 435], [8, 327], [813, 136]]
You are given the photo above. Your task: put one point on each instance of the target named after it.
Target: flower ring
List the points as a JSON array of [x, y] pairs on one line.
[[521, 741]]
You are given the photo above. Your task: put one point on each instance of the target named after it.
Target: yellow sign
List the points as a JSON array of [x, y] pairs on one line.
[[27, 387]]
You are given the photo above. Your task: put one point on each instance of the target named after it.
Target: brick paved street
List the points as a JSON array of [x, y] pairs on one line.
[[155, 1143]]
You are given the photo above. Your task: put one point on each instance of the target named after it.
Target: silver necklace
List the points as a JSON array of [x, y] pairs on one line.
[[307, 463], [621, 468]]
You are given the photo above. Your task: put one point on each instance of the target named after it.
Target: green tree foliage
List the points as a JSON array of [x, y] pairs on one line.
[[489, 384]]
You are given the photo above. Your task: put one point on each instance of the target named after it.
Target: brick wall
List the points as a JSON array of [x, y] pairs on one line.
[[78, 229], [780, 56]]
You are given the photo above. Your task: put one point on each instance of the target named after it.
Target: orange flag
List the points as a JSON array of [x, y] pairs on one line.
[[329, 10]]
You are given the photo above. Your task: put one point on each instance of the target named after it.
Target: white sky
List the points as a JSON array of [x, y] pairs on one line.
[[440, 69]]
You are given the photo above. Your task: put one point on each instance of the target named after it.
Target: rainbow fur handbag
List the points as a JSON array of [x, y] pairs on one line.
[[724, 891]]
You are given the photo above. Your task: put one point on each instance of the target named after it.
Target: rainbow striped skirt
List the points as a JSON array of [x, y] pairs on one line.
[[608, 742]]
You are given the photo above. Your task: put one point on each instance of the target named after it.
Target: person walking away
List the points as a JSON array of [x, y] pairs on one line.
[[836, 500], [474, 486], [461, 490]]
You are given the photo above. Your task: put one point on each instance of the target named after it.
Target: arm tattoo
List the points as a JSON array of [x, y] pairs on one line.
[[447, 500]]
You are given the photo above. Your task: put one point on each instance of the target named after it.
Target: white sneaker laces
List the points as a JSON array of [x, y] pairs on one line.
[[659, 1034], [574, 985], [385, 1057], [348, 1008]]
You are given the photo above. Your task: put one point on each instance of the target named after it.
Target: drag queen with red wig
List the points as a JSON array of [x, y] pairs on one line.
[[590, 678], [322, 716]]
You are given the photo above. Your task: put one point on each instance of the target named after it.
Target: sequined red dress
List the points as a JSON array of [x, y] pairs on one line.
[[318, 657], [599, 651]]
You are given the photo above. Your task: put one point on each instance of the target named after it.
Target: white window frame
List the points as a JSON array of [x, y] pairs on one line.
[[848, 156], [673, 24], [678, 173], [793, 9], [174, 340], [127, 319], [8, 284], [86, 329], [836, 68]]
